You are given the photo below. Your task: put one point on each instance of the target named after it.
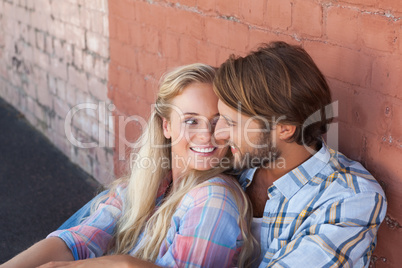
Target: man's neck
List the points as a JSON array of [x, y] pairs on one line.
[[292, 156]]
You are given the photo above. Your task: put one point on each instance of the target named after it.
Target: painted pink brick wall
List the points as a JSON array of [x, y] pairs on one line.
[[356, 43]]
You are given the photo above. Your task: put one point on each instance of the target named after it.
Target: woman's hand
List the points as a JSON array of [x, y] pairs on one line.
[[120, 261]]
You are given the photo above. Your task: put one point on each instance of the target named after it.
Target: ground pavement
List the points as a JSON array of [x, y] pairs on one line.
[[39, 187]]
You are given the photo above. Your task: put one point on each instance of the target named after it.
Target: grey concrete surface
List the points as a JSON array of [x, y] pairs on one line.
[[39, 187]]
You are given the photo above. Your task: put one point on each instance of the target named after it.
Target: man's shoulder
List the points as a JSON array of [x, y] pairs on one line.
[[351, 174]]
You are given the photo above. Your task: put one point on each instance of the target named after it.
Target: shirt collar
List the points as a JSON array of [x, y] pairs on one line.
[[292, 181]]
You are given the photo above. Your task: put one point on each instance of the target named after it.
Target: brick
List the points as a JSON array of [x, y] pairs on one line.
[[386, 75], [193, 26], [223, 55], [122, 8], [97, 89], [27, 54], [61, 109], [101, 68], [207, 53], [22, 15], [206, 5], [123, 55], [105, 24], [252, 11], [228, 7], [395, 132], [41, 59], [378, 32], [49, 44], [29, 89], [188, 50], [99, 5], [135, 87], [61, 89], [341, 63], [66, 12], [123, 29], [71, 94], [342, 25], [152, 15], [97, 44], [30, 4], [77, 78], [51, 84], [217, 31], [75, 35], [58, 68], [381, 161], [44, 97], [120, 78], [342, 92], [188, 3], [366, 3], [392, 5], [23, 32], [238, 35], [40, 40], [150, 40], [369, 112], [258, 37], [278, 14], [303, 24], [170, 45], [151, 64], [86, 17], [42, 5], [9, 10], [58, 29], [78, 58]]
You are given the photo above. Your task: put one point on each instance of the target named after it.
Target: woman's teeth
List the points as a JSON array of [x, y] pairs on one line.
[[203, 150]]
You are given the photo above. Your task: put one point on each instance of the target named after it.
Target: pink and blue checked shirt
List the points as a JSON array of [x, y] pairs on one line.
[[324, 213], [204, 229]]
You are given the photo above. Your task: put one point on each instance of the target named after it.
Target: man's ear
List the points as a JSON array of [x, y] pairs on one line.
[[285, 132], [166, 128]]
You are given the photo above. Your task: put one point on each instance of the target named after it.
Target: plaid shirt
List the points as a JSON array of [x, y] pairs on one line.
[[204, 229], [324, 213]]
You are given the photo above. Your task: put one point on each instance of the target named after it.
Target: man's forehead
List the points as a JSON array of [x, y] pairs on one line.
[[229, 111]]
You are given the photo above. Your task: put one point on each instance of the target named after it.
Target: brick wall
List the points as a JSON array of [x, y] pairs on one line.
[[356, 43], [54, 55]]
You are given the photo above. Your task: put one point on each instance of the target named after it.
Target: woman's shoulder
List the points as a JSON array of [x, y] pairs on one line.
[[220, 188]]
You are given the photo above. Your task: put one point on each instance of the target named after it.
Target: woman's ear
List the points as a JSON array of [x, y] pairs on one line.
[[166, 128]]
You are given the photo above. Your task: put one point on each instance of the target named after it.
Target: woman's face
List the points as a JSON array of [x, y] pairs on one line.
[[192, 122]]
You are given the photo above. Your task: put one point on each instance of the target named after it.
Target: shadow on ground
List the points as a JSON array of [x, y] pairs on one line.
[[39, 187]]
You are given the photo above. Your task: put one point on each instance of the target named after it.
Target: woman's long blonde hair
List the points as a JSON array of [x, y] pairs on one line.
[[143, 184]]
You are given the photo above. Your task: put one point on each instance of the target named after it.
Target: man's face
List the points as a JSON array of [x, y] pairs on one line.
[[251, 144]]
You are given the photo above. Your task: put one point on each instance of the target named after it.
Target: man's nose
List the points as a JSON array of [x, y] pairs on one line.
[[221, 131]]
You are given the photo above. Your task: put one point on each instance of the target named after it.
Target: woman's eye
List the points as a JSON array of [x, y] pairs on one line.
[[190, 121]]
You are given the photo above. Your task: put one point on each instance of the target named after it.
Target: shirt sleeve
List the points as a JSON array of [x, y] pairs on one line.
[[339, 234], [91, 238], [207, 233]]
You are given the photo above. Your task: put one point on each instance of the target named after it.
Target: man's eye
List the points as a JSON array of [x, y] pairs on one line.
[[190, 121], [228, 122]]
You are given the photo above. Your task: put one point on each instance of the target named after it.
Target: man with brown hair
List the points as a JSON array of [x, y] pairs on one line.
[[312, 205]]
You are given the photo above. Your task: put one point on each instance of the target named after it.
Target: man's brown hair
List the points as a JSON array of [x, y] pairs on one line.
[[277, 80]]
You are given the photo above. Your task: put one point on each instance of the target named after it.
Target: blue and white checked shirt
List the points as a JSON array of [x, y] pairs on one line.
[[324, 213]]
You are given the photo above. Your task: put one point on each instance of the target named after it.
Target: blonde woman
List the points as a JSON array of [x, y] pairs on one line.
[[176, 209]]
